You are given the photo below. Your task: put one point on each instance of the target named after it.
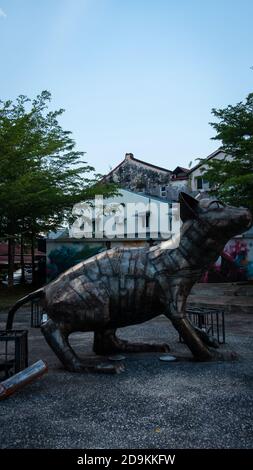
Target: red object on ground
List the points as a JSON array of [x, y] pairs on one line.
[[19, 380]]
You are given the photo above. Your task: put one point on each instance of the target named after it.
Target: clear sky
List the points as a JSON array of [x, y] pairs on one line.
[[136, 76]]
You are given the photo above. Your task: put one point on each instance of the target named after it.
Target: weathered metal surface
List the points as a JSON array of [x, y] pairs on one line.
[[19, 380], [122, 287]]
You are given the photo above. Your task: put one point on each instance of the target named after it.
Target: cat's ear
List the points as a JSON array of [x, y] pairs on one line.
[[188, 207]]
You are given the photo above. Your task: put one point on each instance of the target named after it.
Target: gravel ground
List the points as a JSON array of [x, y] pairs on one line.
[[153, 404]]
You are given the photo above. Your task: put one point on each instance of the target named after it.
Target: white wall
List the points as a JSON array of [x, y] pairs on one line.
[[121, 207], [180, 184], [199, 172]]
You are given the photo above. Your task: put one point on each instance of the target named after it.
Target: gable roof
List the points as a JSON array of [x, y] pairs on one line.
[[180, 169], [212, 155], [151, 165], [130, 157]]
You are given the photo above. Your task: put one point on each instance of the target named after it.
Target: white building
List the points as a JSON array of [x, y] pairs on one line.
[[127, 217], [196, 178]]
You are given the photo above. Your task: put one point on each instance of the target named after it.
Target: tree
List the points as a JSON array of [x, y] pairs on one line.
[[231, 178], [42, 175]]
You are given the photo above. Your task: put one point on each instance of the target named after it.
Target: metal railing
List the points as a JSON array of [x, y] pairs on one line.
[[210, 320], [38, 314], [13, 352]]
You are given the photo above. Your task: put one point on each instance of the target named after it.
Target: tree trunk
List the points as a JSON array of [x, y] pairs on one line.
[[11, 260], [22, 260], [33, 258]]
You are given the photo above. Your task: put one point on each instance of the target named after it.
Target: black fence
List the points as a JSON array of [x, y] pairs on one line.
[[210, 320], [36, 314], [13, 352]]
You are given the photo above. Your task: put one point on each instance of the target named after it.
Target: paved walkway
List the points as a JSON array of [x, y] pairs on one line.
[[233, 297], [152, 404]]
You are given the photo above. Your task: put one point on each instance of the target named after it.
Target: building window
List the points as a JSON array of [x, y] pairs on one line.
[[199, 182], [163, 191], [147, 219], [93, 226]]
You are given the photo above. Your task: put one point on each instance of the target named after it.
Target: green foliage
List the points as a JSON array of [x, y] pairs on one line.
[[232, 177], [41, 173], [63, 258]]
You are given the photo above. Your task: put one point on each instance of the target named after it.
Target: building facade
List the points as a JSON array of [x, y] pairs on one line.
[[143, 177], [140, 177], [129, 219], [144, 183]]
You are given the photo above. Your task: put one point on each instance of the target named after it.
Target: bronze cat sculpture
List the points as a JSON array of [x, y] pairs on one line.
[[127, 286]]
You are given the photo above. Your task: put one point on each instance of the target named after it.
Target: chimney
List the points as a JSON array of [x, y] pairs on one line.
[[129, 156]]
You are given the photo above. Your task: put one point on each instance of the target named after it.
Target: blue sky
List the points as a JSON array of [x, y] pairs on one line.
[[136, 76]]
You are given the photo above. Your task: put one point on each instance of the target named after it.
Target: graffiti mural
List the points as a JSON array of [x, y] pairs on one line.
[[235, 264], [63, 255]]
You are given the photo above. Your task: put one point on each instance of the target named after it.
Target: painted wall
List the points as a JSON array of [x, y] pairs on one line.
[[235, 265], [63, 255]]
